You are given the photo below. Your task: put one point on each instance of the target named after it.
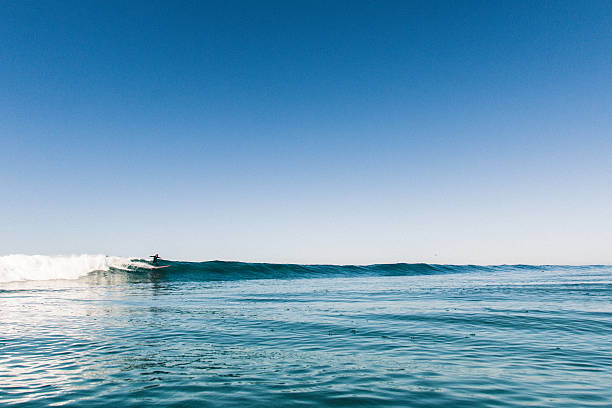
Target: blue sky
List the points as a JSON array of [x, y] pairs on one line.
[[311, 132]]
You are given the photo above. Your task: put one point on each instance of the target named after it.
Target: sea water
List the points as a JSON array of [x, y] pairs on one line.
[[217, 334]]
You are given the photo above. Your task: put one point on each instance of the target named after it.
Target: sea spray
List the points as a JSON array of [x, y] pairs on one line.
[[42, 267]]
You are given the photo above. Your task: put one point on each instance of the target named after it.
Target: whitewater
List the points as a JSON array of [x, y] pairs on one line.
[[21, 267], [107, 331]]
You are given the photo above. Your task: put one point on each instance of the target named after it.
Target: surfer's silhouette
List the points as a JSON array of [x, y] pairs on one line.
[[155, 258]]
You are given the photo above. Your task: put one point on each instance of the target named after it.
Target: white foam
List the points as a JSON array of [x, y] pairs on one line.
[[43, 267]]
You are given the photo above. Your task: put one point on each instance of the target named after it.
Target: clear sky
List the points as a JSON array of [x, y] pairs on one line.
[[307, 131]]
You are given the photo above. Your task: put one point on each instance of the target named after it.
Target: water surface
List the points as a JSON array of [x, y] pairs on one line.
[[324, 336]]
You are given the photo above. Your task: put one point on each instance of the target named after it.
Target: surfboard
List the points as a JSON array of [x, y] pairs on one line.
[[159, 267]]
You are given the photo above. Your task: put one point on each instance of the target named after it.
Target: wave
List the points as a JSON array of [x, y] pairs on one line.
[[229, 270], [41, 267]]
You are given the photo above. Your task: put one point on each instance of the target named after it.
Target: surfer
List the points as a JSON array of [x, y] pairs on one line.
[[155, 258]]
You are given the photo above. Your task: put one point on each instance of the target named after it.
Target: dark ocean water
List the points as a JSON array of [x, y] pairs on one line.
[[231, 334]]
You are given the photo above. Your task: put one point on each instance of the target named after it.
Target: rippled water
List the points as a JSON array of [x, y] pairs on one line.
[[477, 339]]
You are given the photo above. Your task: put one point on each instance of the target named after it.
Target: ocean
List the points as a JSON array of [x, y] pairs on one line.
[[100, 331]]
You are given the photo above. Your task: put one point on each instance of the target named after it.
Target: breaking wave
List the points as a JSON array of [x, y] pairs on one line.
[[43, 267]]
